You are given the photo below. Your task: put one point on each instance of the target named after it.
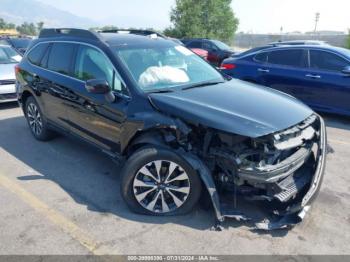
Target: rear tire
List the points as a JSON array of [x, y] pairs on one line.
[[157, 181], [36, 121]]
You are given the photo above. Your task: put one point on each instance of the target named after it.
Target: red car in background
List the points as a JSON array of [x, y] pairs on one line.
[[217, 50], [201, 52]]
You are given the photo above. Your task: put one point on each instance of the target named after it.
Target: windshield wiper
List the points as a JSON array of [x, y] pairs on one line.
[[209, 83], [161, 91]]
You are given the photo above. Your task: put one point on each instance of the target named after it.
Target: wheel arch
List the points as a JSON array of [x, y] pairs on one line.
[[149, 137], [159, 130], [24, 97]]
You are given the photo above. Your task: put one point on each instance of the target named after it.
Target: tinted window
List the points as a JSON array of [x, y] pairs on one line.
[[195, 44], [36, 54], [20, 42], [221, 45], [327, 61], [92, 64], [60, 58], [209, 46], [291, 57], [261, 57], [45, 58]]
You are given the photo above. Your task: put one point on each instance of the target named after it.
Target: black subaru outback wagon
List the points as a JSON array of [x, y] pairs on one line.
[[178, 126]]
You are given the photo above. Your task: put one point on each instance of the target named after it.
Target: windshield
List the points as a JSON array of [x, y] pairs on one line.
[[8, 55], [221, 45], [170, 67], [344, 51]]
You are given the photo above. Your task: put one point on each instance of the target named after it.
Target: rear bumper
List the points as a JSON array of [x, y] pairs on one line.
[[10, 97], [8, 93]]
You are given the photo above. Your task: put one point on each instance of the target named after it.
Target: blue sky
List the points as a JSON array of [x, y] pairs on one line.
[[259, 16]]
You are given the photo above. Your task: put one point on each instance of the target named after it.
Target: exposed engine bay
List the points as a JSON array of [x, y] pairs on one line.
[[279, 169]]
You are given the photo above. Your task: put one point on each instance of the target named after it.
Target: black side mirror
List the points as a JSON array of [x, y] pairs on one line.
[[346, 70], [97, 86]]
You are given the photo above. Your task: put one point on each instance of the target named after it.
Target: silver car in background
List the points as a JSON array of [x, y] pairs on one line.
[[8, 59]]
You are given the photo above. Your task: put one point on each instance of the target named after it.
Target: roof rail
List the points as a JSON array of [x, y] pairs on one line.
[[56, 32], [134, 31]]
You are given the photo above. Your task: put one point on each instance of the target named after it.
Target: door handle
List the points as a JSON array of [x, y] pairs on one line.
[[313, 76], [263, 70]]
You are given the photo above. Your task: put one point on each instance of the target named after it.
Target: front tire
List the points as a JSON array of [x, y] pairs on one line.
[[36, 121], [157, 181]]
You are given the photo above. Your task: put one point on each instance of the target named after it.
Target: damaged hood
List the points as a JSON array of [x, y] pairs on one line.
[[234, 106]]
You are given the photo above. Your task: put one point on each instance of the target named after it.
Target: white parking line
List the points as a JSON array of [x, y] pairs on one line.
[[55, 217]]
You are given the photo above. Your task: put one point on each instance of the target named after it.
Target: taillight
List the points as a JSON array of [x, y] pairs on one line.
[[228, 66], [17, 69]]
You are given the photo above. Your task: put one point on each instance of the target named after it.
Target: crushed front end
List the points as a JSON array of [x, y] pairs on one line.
[[282, 171]]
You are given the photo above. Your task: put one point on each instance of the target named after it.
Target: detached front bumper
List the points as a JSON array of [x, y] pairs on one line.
[[295, 213]]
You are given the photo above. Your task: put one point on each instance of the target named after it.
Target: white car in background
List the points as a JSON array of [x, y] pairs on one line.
[[8, 59]]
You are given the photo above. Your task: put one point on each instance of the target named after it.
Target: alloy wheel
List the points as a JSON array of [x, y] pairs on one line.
[[161, 186], [34, 119]]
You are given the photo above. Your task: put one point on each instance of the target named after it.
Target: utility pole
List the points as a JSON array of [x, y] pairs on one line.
[[317, 19], [281, 34]]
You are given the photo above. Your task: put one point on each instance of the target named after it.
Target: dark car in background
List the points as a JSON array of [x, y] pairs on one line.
[[319, 75], [20, 44], [175, 123], [217, 50]]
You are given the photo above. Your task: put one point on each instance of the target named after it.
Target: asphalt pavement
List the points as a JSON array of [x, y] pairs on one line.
[[62, 197]]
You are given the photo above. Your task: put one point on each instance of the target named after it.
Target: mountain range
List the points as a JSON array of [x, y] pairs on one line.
[[19, 11]]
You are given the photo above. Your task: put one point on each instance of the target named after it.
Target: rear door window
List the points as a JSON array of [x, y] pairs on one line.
[[60, 58], [36, 54], [327, 61], [261, 57], [291, 57]]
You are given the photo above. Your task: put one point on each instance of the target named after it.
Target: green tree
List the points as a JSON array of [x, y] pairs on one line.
[[5, 25], [27, 29], [205, 18], [348, 41], [39, 26]]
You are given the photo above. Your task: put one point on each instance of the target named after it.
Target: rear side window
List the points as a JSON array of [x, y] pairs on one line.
[[60, 58], [20, 42], [292, 57], [327, 61], [261, 57], [36, 54]]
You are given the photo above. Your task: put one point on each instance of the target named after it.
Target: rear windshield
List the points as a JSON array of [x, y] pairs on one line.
[[221, 45], [20, 43]]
